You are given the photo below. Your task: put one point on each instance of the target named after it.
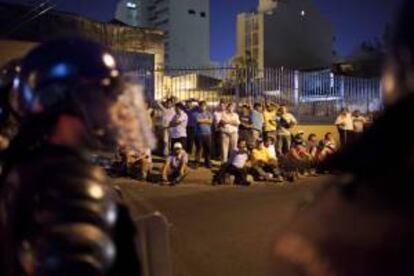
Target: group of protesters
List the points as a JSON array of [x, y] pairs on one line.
[[250, 142]]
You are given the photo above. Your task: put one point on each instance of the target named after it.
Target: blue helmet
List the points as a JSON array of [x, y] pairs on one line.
[[53, 74]]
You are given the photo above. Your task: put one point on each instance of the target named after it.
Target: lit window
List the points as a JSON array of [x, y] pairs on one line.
[[131, 5], [302, 13]]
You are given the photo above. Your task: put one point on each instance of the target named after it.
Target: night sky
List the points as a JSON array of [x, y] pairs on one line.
[[354, 20]]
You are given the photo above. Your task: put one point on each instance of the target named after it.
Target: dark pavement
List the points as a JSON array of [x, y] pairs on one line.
[[226, 230]]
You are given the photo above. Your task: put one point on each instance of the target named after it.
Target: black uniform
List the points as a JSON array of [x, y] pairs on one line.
[[60, 217]]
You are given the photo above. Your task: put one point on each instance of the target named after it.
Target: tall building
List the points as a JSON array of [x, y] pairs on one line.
[[290, 33], [185, 23]]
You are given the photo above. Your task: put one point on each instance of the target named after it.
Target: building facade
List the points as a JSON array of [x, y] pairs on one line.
[[185, 24], [293, 34]]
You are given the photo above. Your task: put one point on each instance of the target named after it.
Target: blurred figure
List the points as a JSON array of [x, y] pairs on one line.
[[178, 126], [345, 126], [359, 122], [176, 166], [269, 144], [58, 215], [204, 121], [327, 147], [136, 164], [361, 223], [229, 131], [9, 118], [257, 122], [286, 121]]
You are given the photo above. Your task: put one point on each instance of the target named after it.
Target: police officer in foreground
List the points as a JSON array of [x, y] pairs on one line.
[[9, 119], [58, 214], [362, 223]]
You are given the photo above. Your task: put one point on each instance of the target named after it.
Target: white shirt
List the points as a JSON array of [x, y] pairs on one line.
[[231, 122], [238, 159], [176, 162], [272, 151], [345, 122], [181, 129]]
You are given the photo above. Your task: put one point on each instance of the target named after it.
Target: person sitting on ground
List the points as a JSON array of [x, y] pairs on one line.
[[327, 147], [265, 166], [312, 145], [236, 166], [269, 144], [176, 166], [299, 157]]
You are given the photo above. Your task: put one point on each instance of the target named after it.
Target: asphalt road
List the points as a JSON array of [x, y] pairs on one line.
[[226, 230]]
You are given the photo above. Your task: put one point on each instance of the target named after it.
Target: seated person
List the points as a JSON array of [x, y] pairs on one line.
[[264, 165], [327, 147], [299, 158], [312, 145], [235, 166], [135, 164], [176, 166], [270, 147]]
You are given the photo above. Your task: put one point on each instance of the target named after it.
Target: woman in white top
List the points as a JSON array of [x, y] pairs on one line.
[[345, 126]]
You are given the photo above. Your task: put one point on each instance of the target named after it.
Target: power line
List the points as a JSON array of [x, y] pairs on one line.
[[32, 14]]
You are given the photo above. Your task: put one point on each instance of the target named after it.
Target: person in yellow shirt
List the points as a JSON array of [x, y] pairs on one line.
[[264, 166], [269, 121]]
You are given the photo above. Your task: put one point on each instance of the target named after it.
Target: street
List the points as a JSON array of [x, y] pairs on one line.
[[226, 230]]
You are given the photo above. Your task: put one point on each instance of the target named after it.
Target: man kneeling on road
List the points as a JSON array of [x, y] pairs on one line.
[[236, 166], [175, 168], [265, 166]]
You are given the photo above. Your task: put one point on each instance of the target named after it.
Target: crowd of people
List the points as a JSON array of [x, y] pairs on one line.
[[249, 142]]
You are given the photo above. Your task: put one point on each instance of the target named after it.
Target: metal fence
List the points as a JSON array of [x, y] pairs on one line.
[[315, 96]]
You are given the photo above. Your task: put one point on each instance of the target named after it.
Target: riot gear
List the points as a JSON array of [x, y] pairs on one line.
[[58, 215]]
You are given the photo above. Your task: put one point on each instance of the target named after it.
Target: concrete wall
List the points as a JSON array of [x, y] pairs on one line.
[[189, 33]]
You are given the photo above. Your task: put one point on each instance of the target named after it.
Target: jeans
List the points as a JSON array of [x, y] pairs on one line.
[[239, 174], [228, 143], [191, 136], [283, 144], [203, 145]]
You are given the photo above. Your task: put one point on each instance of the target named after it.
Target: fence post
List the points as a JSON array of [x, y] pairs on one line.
[[296, 92], [342, 91]]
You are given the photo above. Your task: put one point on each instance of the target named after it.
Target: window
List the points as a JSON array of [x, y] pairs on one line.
[[191, 11], [131, 5], [203, 14]]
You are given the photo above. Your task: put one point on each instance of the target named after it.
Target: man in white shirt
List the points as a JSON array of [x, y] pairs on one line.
[[345, 126], [168, 113], [229, 131], [285, 122], [236, 165], [178, 126], [175, 167], [217, 129]]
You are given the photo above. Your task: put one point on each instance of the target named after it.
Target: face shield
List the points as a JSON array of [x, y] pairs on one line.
[[119, 118]]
